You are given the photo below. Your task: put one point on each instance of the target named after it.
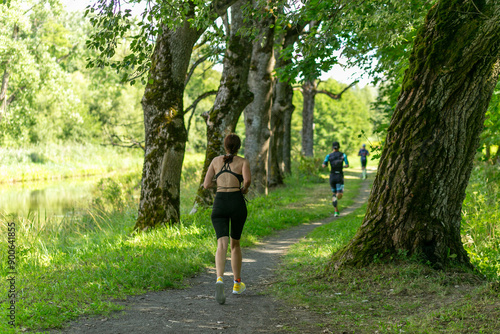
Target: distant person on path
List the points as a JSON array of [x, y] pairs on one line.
[[363, 153], [229, 208], [336, 160]]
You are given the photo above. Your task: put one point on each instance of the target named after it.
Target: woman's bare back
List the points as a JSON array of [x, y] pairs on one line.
[[227, 181]]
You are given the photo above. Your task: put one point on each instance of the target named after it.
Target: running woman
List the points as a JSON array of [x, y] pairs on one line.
[[336, 159], [230, 172], [363, 153]]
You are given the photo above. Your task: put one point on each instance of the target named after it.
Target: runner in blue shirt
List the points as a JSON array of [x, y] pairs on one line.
[[363, 153], [336, 160]]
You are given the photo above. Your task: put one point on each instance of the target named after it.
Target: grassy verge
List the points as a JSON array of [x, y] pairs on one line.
[[403, 296], [78, 266]]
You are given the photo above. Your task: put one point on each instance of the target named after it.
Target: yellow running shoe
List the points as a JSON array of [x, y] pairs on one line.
[[238, 288]]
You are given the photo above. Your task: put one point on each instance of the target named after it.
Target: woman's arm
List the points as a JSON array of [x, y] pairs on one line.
[[209, 182], [247, 177]]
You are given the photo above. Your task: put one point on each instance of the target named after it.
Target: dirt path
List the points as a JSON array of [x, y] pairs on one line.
[[194, 310]]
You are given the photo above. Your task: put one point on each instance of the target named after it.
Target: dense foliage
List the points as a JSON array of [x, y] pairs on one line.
[[57, 99]]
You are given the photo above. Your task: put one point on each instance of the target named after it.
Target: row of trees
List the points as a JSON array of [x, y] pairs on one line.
[[49, 94], [268, 47], [433, 136]]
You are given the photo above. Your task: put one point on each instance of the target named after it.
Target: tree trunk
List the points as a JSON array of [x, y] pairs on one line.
[[496, 158], [165, 132], [4, 100], [232, 97], [257, 113], [3, 91], [281, 108], [287, 140], [308, 92], [415, 204]]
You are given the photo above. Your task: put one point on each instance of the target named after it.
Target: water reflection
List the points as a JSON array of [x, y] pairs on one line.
[[55, 198]]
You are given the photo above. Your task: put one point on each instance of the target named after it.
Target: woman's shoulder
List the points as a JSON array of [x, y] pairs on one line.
[[240, 159]]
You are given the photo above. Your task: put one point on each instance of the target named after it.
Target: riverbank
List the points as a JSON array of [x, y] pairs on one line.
[[56, 162]]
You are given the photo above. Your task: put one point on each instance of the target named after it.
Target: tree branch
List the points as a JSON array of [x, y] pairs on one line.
[[199, 98], [195, 103], [131, 144], [336, 96], [226, 24], [191, 70], [204, 41], [219, 7], [5, 82], [60, 59], [13, 95], [138, 75]]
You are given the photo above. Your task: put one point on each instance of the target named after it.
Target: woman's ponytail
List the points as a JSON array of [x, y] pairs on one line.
[[232, 144]]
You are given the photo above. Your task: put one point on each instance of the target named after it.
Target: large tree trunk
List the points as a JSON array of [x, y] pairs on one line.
[[282, 106], [232, 97], [165, 132], [309, 93], [257, 113], [415, 204]]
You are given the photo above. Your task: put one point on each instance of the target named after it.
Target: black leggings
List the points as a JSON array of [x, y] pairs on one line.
[[229, 206]]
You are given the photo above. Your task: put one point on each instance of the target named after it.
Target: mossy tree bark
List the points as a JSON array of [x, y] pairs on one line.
[[165, 131], [415, 204], [282, 108], [308, 93], [232, 97], [257, 113]]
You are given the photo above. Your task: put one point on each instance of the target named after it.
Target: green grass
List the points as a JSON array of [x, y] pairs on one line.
[[79, 265], [481, 219], [401, 296]]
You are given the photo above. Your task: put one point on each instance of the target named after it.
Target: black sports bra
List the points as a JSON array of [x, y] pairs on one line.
[[227, 169]]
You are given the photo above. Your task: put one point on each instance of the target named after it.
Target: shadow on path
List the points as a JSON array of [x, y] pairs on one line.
[[194, 310]]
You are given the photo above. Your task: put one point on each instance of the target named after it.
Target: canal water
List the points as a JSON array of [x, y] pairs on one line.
[[47, 199]]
